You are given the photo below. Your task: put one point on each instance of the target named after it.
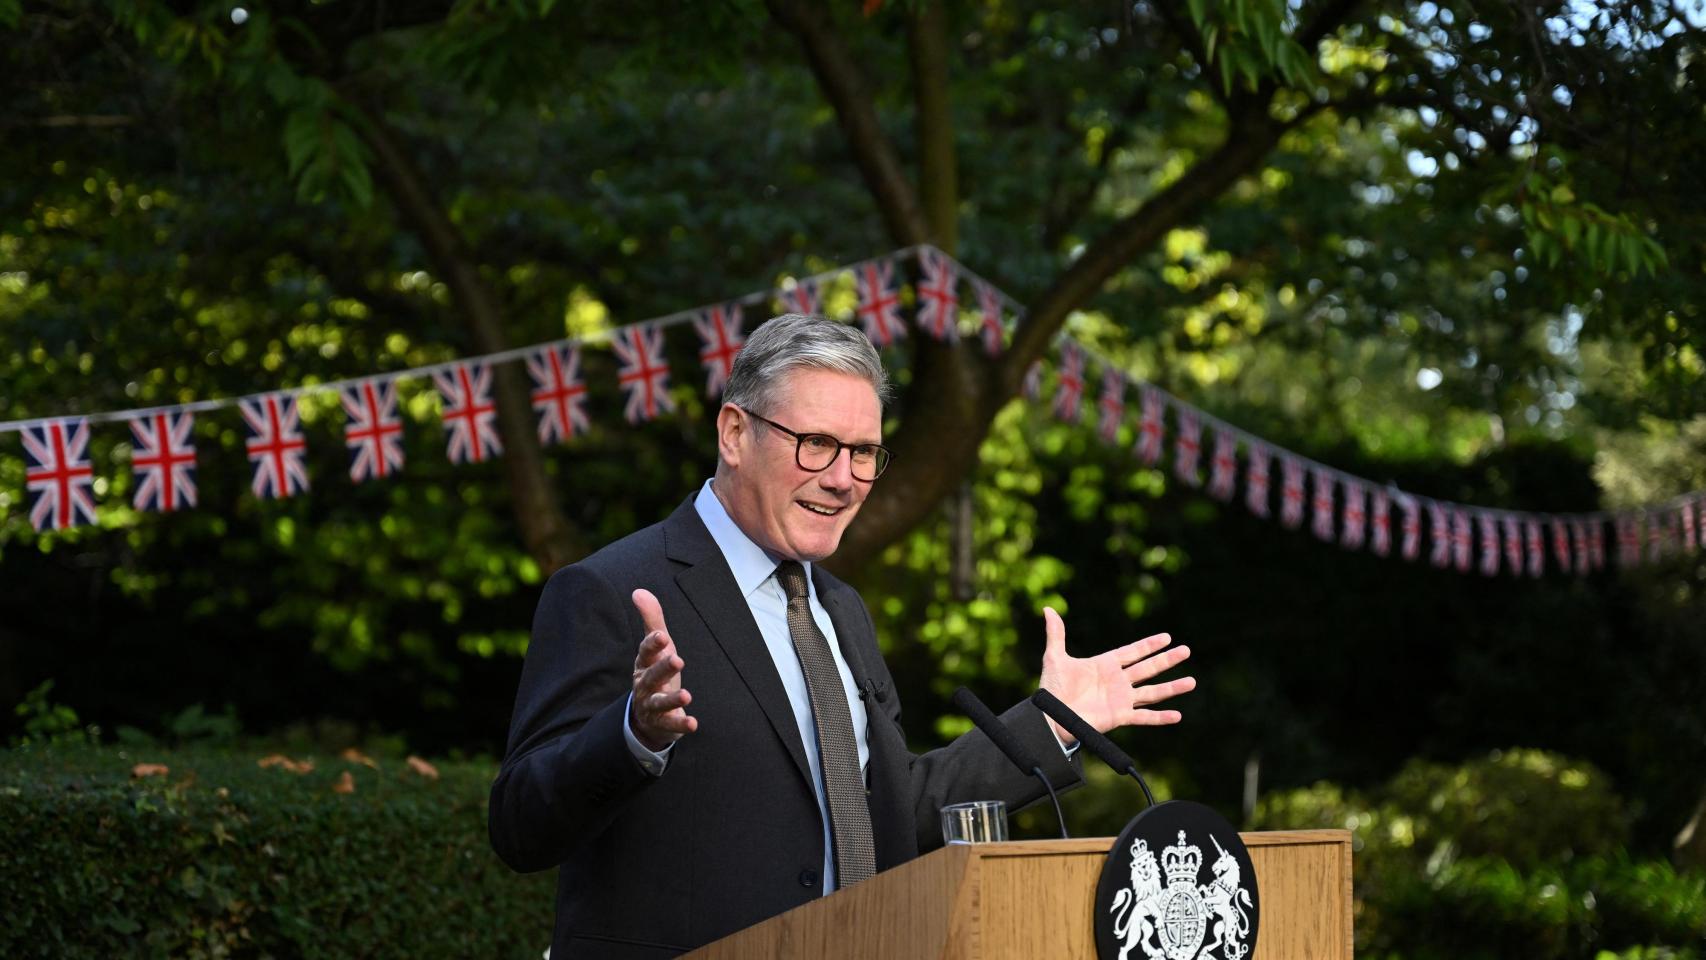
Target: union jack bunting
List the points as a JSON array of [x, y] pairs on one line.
[[721, 339], [938, 303], [1112, 405], [1223, 465], [1187, 448], [1440, 526], [1596, 544], [1658, 535], [1536, 549], [1380, 522], [1628, 539], [374, 433], [1560, 544], [1584, 562], [1070, 382], [1150, 431], [1460, 545], [989, 304], [164, 461], [1291, 492], [1256, 472], [1033, 385], [1686, 512], [275, 446], [879, 304], [559, 394], [1322, 502], [470, 417], [1411, 525], [802, 297], [57, 474], [643, 374], [1352, 517], [1489, 543], [1513, 543]]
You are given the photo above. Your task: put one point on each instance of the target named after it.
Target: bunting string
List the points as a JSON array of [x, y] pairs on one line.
[[1351, 512]]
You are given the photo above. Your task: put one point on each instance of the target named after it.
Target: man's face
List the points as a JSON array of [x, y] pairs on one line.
[[786, 509]]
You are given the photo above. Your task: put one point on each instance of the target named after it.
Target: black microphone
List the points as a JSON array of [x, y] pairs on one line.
[[1091, 738], [1003, 738]]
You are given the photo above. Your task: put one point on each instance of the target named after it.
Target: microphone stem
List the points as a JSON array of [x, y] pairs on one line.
[[1150, 797], [1037, 772]]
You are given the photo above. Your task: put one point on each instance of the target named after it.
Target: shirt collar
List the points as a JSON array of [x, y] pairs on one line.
[[750, 563]]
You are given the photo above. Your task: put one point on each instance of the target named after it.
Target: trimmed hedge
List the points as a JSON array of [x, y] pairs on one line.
[[222, 857]]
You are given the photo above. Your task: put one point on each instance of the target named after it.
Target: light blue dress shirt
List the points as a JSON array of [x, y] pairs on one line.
[[755, 575]]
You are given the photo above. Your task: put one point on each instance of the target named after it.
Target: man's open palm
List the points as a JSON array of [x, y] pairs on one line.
[[1112, 689]]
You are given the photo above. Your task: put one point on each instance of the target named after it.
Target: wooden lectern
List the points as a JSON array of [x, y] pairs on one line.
[[1033, 899]]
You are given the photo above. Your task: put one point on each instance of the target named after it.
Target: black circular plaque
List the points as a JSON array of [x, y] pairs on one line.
[[1177, 885]]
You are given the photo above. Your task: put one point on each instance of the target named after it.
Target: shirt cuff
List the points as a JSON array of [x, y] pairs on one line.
[[1069, 751], [650, 761]]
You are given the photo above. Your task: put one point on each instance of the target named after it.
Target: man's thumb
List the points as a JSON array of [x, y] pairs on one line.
[[651, 612]]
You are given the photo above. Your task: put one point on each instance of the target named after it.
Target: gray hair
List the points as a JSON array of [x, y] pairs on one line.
[[793, 341]]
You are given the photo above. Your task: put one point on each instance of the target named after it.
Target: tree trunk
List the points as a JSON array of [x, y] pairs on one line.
[[545, 531]]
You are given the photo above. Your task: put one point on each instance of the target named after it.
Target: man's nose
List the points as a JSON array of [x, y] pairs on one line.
[[839, 474]]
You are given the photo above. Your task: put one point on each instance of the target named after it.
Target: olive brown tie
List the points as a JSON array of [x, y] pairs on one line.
[[838, 747]]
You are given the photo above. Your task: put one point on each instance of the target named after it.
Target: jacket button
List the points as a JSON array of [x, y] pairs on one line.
[[809, 878]]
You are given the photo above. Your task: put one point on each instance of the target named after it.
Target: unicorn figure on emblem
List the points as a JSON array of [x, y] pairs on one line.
[[1226, 898]]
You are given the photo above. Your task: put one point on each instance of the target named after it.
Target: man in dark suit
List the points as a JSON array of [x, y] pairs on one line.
[[678, 817]]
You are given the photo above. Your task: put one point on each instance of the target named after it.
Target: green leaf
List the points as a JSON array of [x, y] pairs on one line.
[[11, 11], [1227, 68]]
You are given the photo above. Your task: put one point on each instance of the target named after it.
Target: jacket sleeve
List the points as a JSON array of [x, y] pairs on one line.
[[568, 771]]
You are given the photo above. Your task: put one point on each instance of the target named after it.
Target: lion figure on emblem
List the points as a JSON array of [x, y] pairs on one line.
[[1134, 906], [1226, 898]]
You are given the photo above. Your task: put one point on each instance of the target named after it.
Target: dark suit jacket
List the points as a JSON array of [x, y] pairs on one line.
[[730, 834]]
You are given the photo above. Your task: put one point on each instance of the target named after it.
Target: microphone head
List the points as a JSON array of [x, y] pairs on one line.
[[1092, 739], [985, 719]]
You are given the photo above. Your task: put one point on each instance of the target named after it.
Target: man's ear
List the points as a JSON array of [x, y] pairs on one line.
[[732, 427]]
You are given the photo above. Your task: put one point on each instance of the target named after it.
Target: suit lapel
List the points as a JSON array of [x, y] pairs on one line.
[[710, 587]]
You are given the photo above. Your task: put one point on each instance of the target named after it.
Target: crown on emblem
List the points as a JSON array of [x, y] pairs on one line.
[[1181, 862]]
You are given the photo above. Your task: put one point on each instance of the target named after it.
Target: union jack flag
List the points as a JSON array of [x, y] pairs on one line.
[[1187, 448], [1687, 514], [879, 304], [1291, 492], [1070, 389], [1658, 535], [276, 446], [558, 393], [164, 461], [1322, 502], [1411, 526], [1033, 385], [1256, 474], [1150, 432], [1440, 524], [938, 303], [1489, 544], [1560, 544], [375, 431], [643, 373], [719, 330], [802, 297], [1513, 543], [1351, 517], [470, 417], [989, 304], [1112, 405], [1596, 544], [58, 475], [1460, 546], [1380, 519], [1536, 550], [1223, 467]]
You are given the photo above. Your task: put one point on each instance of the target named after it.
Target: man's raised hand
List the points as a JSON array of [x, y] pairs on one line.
[[1110, 689], [659, 712]]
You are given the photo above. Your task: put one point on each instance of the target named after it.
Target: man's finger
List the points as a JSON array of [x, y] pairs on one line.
[[1054, 633], [652, 646], [651, 612], [1154, 666], [660, 675], [1154, 718], [1157, 692], [1138, 649]]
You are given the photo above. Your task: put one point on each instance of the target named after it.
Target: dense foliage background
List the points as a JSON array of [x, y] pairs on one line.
[[1451, 245]]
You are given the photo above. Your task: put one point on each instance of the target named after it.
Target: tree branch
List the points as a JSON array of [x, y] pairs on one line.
[[844, 86]]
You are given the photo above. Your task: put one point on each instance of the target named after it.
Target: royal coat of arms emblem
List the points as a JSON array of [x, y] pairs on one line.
[[1164, 908]]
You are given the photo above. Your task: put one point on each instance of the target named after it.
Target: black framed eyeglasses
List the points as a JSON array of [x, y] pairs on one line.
[[816, 451]]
